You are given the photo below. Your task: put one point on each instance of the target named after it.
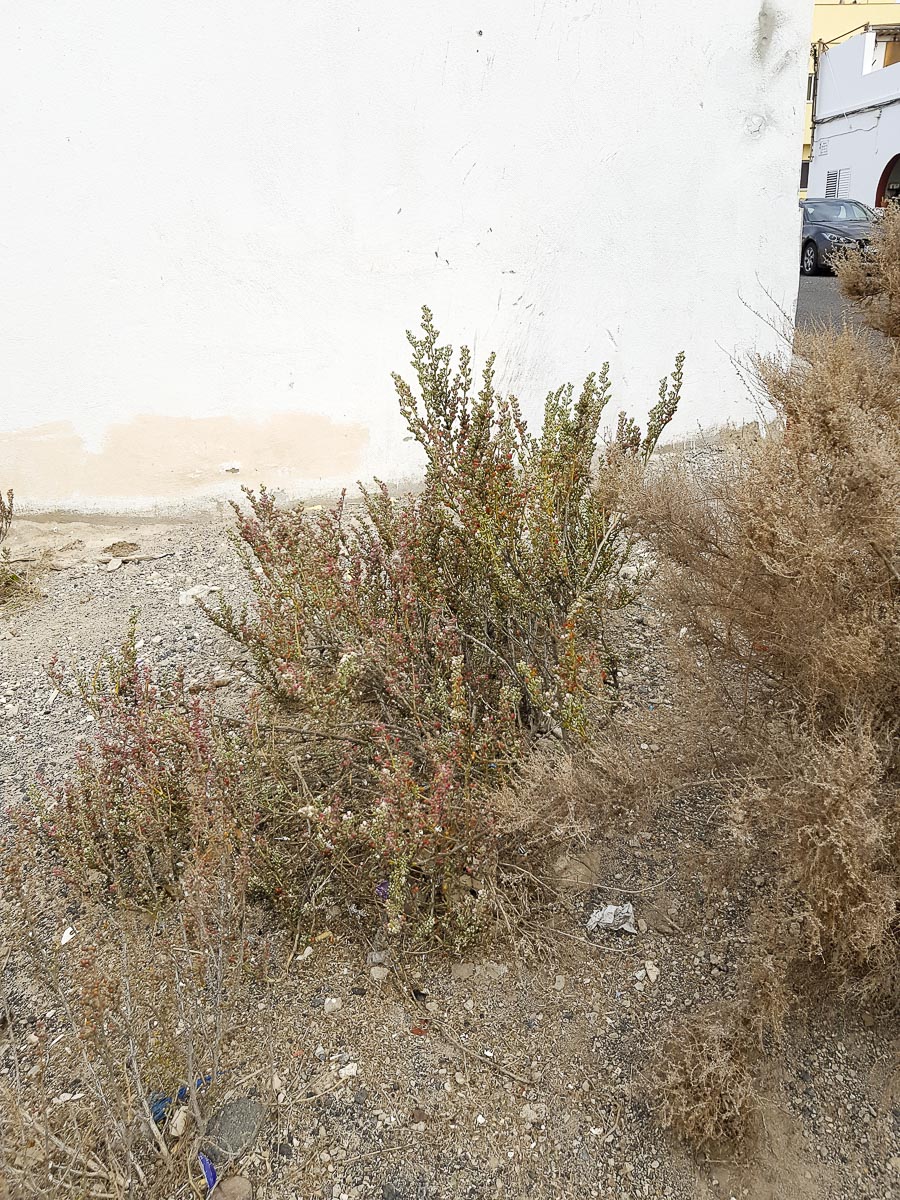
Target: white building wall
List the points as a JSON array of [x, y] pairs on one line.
[[218, 218], [862, 143]]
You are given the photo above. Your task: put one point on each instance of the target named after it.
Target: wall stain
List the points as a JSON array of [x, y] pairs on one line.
[[767, 23], [166, 458]]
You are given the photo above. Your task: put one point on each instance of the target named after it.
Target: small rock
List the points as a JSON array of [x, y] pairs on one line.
[[533, 1114], [350, 1071], [332, 1004], [235, 1187], [462, 971], [114, 564], [493, 971], [189, 596], [559, 982], [233, 1129], [652, 970], [379, 974]]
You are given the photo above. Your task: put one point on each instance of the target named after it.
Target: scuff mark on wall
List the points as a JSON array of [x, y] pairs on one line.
[[767, 23]]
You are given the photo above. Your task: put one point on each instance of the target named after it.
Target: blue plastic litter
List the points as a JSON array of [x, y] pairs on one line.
[[161, 1104], [209, 1171]]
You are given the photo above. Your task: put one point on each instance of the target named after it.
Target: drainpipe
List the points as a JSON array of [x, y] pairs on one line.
[[816, 49]]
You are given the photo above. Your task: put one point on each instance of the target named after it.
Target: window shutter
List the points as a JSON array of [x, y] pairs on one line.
[[831, 185]]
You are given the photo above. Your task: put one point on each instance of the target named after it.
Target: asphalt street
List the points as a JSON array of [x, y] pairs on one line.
[[820, 303]]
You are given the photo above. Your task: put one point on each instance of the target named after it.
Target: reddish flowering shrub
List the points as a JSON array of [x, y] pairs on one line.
[[423, 643], [156, 785]]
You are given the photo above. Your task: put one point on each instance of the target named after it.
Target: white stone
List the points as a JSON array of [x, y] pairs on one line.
[[200, 591]]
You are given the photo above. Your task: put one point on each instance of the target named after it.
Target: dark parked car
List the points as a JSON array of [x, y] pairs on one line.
[[829, 225]]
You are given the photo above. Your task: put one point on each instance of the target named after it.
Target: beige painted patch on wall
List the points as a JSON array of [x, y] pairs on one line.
[[166, 460]]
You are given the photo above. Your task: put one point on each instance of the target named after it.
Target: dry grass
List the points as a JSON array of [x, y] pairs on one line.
[[134, 1009], [707, 1090]]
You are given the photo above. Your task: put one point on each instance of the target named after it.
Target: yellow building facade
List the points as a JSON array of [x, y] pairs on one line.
[[832, 21]]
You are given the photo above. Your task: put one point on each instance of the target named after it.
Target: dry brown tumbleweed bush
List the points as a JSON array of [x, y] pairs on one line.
[[781, 563], [707, 1090], [873, 281]]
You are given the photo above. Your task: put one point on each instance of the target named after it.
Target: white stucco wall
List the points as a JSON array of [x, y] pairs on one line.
[[846, 139], [218, 218]]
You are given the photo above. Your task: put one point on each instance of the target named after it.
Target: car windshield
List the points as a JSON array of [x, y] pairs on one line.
[[832, 212]]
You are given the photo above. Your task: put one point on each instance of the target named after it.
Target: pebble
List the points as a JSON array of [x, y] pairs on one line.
[[332, 1004], [189, 596], [379, 974], [533, 1114], [235, 1187]]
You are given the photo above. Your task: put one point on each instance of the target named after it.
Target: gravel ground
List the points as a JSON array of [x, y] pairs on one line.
[[497, 1076]]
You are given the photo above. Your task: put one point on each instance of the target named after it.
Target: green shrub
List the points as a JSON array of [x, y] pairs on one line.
[[411, 651], [423, 644], [6, 514]]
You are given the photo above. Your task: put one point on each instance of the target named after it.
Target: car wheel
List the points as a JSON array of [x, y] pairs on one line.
[[809, 259]]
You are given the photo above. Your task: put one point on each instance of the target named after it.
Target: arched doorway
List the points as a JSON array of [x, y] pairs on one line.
[[889, 183]]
